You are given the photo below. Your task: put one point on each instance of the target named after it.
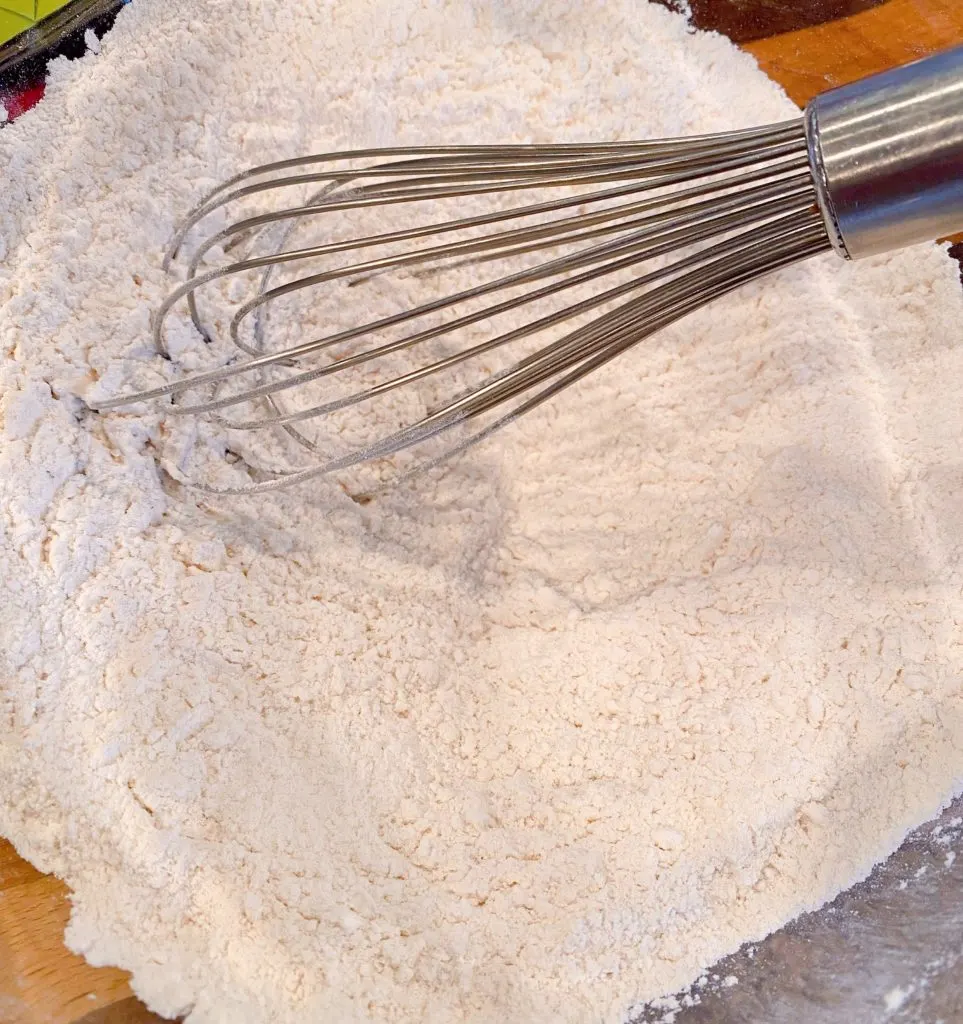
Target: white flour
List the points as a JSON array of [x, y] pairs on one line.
[[671, 660]]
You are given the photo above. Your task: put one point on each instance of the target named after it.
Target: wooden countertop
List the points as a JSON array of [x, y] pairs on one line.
[[807, 46]]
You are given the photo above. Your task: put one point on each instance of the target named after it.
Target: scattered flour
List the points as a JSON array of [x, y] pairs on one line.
[[667, 663], [895, 998]]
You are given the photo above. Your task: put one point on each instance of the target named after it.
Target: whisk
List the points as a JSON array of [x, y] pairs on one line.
[[564, 256]]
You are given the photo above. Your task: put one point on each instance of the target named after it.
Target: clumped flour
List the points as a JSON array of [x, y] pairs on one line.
[[666, 663]]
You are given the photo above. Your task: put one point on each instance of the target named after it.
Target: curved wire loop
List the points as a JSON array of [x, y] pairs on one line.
[[586, 249]]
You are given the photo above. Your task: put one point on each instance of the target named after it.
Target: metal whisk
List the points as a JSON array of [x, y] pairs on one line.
[[600, 246]]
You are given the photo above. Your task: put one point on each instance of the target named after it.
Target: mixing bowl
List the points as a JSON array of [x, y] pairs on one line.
[[891, 948]]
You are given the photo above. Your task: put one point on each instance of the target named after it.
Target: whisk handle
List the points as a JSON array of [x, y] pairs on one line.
[[887, 156]]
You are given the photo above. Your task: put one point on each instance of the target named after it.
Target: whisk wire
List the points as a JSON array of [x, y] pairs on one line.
[[748, 141], [709, 214]]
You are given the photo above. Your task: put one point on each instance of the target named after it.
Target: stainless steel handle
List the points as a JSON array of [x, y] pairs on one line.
[[887, 156]]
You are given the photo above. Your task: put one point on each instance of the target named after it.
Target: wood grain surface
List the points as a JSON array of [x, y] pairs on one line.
[[40, 981], [805, 45], [815, 59]]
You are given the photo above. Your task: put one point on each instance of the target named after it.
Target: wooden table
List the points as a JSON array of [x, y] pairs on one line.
[[807, 46]]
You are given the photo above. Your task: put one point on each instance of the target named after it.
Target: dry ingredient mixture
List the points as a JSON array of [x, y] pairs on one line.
[[665, 663]]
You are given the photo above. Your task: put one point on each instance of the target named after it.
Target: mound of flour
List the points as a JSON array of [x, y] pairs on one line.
[[664, 664]]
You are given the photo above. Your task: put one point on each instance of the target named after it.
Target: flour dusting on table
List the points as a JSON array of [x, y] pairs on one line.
[[665, 663]]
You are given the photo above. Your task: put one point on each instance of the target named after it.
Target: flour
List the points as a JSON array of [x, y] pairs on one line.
[[661, 666], [895, 998]]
